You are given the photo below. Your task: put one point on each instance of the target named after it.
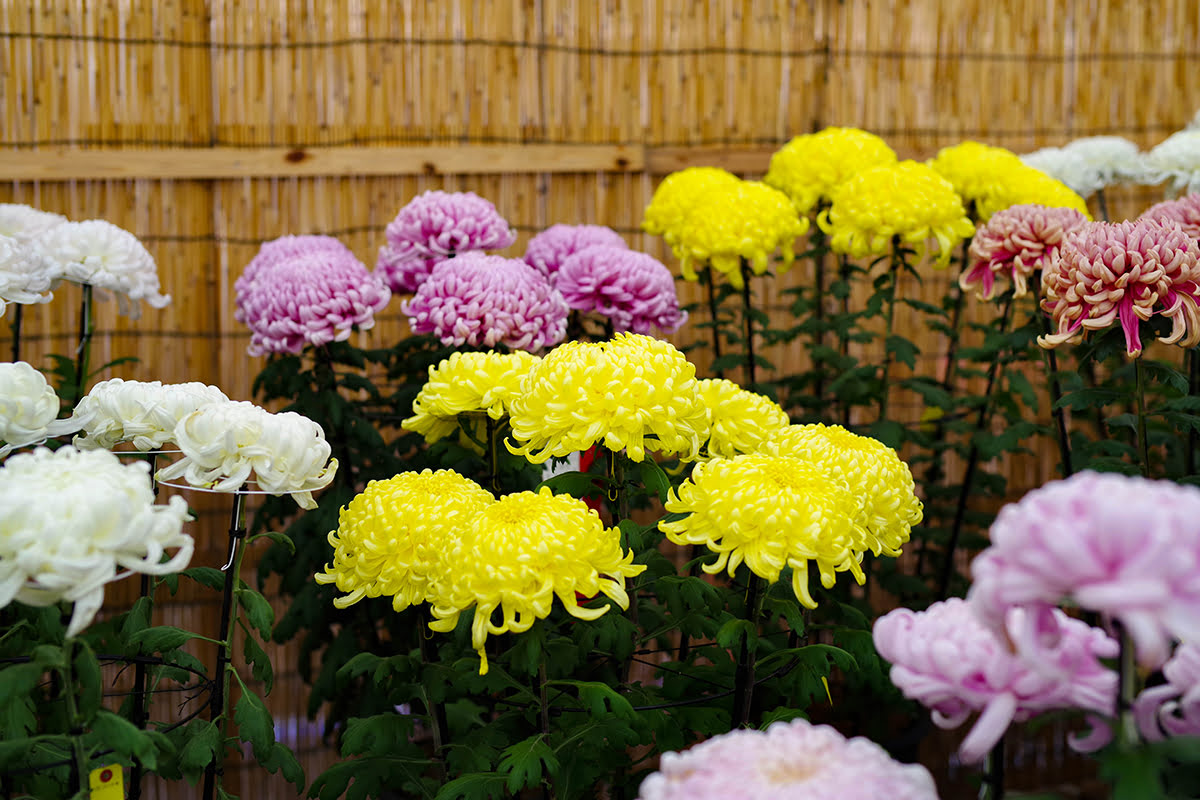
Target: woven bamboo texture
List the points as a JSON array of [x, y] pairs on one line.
[[208, 127]]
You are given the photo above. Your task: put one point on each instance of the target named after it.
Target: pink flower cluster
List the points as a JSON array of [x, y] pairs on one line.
[[636, 291], [1184, 212], [1014, 244], [1172, 709], [550, 249]]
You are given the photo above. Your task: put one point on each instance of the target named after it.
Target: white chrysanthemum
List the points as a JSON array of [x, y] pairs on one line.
[[25, 275], [1065, 166], [28, 408], [222, 443], [1114, 159], [100, 254], [1176, 159], [69, 521], [26, 223], [144, 413]]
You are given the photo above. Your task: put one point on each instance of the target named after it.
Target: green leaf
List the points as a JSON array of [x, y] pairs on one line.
[[86, 671], [281, 539], [260, 663], [735, 632], [254, 722], [161, 638], [1019, 383], [18, 681], [905, 351], [126, 740], [576, 484], [654, 479], [138, 617], [524, 761], [887, 431], [474, 786], [283, 760], [600, 698], [203, 744], [379, 735], [258, 611], [211, 577], [1089, 398]]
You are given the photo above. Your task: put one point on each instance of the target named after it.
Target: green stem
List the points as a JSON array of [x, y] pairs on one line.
[[438, 723], [83, 351], [1051, 359], [710, 284], [1127, 733], [15, 327], [544, 714], [1143, 444], [819, 242], [1102, 202], [79, 771], [844, 343], [889, 309], [748, 324], [493, 454], [743, 682], [992, 786], [1193, 364]]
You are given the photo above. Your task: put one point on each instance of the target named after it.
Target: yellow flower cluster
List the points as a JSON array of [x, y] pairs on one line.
[[1028, 186], [632, 393], [468, 383], [516, 555], [906, 200], [809, 167], [739, 420], [993, 179], [677, 194]]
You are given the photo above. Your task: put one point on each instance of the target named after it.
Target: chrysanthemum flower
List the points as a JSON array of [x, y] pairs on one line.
[[100, 254], [632, 289], [788, 760], [809, 167], [222, 443], [1089, 164], [483, 301], [28, 408], [875, 474], [770, 512], [1126, 547], [1184, 212], [25, 274], [633, 393], [734, 223], [550, 249], [739, 420], [435, 226], [908, 200], [1176, 159], [468, 383], [1068, 167], [674, 198], [950, 662], [70, 520], [1015, 243], [994, 179], [1173, 708], [282, 250], [390, 536], [144, 413], [26, 223], [1123, 273], [1027, 186], [516, 555]]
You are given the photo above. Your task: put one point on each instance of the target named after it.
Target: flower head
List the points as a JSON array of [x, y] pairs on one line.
[[70, 520], [483, 301], [632, 289], [1126, 547], [1184, 212], [1176, 159], [739, 420], [100, 254], [390, 536], [1028, 186], [222, 443], [809, 167], [1015, 243], [949, 661], [1124, 272], [788, 760], [435, 226], [1070, 168], [677, 194], [25, 275], [991, 179], [144, 413], [1173, 708], [550, 249], [906, 200], [28, 408], [279, 251], [632, 393], [516, 555], [26, 223], [1089, 164], [468, 383], [770, 512]]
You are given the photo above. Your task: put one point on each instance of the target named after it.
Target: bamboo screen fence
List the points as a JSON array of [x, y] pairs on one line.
[[209, 126]]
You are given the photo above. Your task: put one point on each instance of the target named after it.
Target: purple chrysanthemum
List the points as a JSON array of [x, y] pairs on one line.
[[435, 226], [483, 300], [632, 289], [1172, 709], [1015, 243], [280, 250], [550, 249]]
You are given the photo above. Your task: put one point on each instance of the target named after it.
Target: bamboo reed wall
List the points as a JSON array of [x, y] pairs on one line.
[[208, 127]]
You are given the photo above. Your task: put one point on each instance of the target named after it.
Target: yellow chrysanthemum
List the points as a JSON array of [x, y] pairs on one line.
[[1029, 186], [994, 179], [739, 420], [468, 383], [770, 512], [809, 167], [676, 195], [730, 223], [632, 393], [870, 468], [908, 200], [520, 552], [388, 537]]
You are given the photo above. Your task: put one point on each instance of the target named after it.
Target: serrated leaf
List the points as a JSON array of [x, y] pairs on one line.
[[654, 479], [600, 698], [283, 760], [378, 735], [18, 681], [576, 484], [1088, 398], [138, 617], [161, 638], [735, 632], [254, 723], [211, 577], [125, 739], [525, 762], [86, 671], [474, 786], [905, 351], [260, 663], [203, 744], [259, 613], [276, 537]]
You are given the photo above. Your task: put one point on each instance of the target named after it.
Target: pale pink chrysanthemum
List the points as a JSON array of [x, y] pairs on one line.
[[946, 659], [277, 251], [551, 248], [482, 301], [788, 760], [636, 291], [1014, 243], [1126, 547], [1123, 273], [1185, 212], [1173, 708], [435, 226]]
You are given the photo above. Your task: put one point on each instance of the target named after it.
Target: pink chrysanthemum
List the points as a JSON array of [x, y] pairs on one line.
[[1185, 212], [483, 301], [1172, 709], [309, 299], [788, 760], [277, 251], [550, 249], [1123, 546], [1124, 272], [1014, 244], [946, 659], [636, 291], [435, 226]]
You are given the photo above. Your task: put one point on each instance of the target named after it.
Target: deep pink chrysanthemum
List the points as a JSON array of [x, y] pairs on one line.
[[550, 249], [949, 661], [636, 291], [1172, 709], [1124, 272], [314, 298], [1123, 546], [435, 226], [788, 760], [283, 249], [1185, 212], [1014, 243], [483, 300]]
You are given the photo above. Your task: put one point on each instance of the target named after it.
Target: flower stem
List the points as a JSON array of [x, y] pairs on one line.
[[493, 456], [1102, 202], [1193, 364], [1143, 444], [844, 343], [748, 323], [889, 314], [743, 682], [992, 786], [15, 327], [79, 760], [1127, 733], [83, 351], [820, 244], [140, 694], [1059, 414], [711, 286], [439, 726]]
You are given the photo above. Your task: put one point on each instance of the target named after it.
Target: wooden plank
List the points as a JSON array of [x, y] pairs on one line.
[[748, 160], [263, 162]]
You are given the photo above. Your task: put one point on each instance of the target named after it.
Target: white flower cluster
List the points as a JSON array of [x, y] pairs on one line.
[[144, 413], [28, 408], [1177, 160], [26, 275], [1090, 164], [70, 521]]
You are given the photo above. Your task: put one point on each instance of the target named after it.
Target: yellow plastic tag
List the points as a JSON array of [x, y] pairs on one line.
[[107, 783]]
